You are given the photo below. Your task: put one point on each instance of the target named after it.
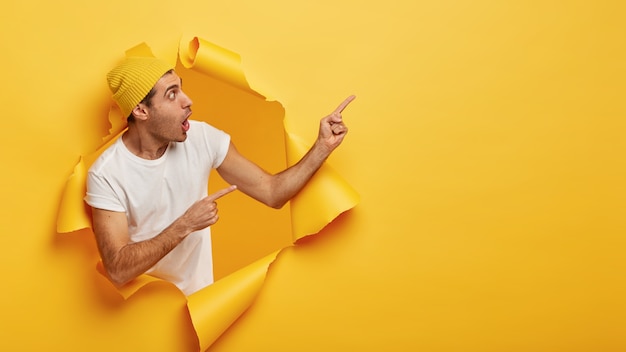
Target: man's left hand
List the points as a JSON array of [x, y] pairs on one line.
[[332, 128]]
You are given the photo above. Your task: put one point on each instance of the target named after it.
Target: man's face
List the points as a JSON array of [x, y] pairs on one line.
[[170, 110]]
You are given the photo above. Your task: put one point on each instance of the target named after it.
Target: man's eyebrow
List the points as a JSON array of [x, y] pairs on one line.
[[173, 86]]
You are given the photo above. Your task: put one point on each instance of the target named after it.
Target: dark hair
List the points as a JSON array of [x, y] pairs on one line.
[[147, 100]]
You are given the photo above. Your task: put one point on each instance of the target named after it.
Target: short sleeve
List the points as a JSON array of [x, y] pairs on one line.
[[100, 194], [217, 143]]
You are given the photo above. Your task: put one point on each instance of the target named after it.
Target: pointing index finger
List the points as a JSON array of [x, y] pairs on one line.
[[345, 103], [222, 192]]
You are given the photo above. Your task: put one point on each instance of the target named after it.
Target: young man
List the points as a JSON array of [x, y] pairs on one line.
[[148, 191]]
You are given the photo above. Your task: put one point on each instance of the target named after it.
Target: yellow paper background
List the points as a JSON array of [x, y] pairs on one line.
[[487, 144]]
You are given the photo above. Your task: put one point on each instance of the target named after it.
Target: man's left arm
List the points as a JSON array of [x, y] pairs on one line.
[[276, 190]]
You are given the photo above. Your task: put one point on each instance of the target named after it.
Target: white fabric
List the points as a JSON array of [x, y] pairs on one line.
[[153, 193]]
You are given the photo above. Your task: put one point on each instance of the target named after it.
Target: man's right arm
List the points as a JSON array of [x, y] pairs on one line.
[[124, 260]]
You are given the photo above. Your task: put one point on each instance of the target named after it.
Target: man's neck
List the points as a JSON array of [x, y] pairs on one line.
[[143, 146]]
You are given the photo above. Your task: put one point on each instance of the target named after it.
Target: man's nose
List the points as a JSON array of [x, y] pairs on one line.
[[187, 102]]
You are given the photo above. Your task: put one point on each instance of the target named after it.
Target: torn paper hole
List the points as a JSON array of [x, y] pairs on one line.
[[249, 235]]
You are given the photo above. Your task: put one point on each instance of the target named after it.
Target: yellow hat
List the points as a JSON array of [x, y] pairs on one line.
[[133, 79]]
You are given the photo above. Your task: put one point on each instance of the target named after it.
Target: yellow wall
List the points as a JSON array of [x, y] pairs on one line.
[[486, 142]]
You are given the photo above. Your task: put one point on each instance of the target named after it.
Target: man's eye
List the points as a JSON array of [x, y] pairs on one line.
[[171, 95]]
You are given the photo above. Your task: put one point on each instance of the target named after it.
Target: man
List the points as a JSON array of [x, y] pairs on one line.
[[148, 190]]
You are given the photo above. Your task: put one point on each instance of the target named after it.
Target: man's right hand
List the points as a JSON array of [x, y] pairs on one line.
[[203, 213]]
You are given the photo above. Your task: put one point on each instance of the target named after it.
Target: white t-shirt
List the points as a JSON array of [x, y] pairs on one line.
[[153, 193]]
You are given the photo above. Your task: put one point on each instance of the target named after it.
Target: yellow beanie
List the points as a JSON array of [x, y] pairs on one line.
[[133, 79]]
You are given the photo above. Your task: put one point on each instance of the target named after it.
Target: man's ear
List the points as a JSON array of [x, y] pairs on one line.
[[140, 112]]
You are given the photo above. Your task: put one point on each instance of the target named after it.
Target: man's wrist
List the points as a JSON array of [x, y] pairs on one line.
[[321, 151], [179, 229]]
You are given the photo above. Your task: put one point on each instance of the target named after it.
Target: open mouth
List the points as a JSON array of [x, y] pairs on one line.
[[185, 122]]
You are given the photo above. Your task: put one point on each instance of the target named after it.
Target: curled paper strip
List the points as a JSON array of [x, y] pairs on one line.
[[214, 308], [73, 213], [214, 61], [325, 197]]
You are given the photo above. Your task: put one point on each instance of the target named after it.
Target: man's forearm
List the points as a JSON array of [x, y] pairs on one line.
[[136, 258], [289, 182]]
